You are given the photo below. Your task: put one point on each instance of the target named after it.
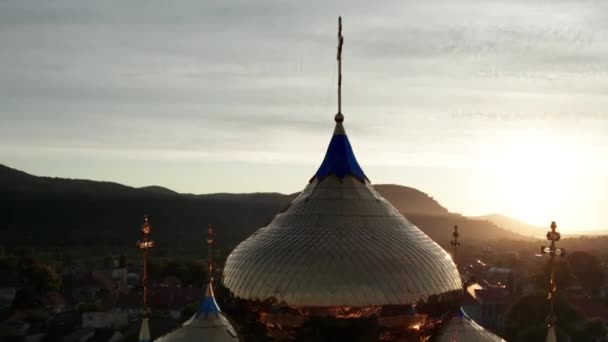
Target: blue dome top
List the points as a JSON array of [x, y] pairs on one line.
[[208, 305], [339, 159]]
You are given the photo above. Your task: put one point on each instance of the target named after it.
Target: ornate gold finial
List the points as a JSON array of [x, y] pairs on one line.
[[552, 250], [455, 243], [339, 117], [144, 244]]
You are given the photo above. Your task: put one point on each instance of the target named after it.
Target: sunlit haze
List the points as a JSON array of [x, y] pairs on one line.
[[488, 106]]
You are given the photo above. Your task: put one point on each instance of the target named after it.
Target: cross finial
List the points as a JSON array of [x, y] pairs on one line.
[[339, 117], [553, 235], [455, 243], [340, 38], [144, 244]]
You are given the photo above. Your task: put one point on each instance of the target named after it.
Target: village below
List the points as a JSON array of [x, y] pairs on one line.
[[53, 289]]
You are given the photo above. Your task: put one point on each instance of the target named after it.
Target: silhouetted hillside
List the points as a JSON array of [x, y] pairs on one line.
[[436, 221], [158, 189], [410, 200], [440, 228], [67, 212], [514, 225]]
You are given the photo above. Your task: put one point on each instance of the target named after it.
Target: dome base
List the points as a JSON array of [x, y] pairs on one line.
[[374, 323]]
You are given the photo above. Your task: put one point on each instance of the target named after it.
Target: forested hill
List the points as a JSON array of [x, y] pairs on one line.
[[68, 211]]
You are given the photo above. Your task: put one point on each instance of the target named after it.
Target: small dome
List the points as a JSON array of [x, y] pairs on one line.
[[207, 324], [462, 328], [340, 244]]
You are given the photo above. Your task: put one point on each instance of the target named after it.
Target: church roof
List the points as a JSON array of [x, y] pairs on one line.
[[207, 324], [462, 328], [340, 244]]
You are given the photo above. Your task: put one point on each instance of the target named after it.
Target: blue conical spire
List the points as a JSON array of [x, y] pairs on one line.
[[461, 314], [339, 159], [208, 305]]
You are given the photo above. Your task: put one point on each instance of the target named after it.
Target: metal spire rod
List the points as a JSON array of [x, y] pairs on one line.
[[340, 42], [145, 243], [455, 243], [552, 250], [210, 258]]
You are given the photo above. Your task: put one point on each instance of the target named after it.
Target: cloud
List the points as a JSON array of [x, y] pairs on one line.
[[214, 76]]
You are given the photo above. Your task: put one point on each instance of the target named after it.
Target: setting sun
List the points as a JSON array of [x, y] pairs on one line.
[[539, 178]]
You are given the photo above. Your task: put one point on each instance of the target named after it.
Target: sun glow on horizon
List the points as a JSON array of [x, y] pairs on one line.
[[540, 178]]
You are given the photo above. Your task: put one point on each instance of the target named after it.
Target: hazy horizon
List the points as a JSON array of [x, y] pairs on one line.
[[488, 106], [475, 216]]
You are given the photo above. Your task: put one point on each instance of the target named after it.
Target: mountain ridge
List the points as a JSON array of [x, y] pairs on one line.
[[519, 226], [78, 208]]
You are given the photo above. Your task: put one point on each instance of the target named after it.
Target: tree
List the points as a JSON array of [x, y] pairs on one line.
[[190, 309], [108, 261], [595, 329], [41, 277], [586, 269], [156, 268], [563, 275], [122, 261], [26, 298], [526, 318], [188, 271], [9, 333]]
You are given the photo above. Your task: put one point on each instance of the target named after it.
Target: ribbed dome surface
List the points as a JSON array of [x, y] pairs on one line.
[[208, 324], [200, 329], [340, 244], [464, 329]]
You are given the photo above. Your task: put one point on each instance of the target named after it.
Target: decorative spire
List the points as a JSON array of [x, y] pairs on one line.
[[144, 332], [462, 328], [455, 243], [339, 159], [552, 250], [209, 305], [339, 117], [461, 314], [209, 255], [144, 244]]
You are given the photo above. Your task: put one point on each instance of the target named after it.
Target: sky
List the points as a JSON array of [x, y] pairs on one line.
[[488, 106]]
